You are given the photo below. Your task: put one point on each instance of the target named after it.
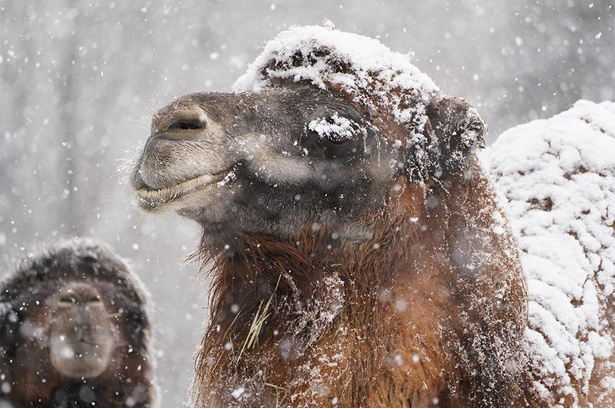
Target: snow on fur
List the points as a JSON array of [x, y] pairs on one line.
[[330, 59], [355, 66], [336, 128], [558, 177]]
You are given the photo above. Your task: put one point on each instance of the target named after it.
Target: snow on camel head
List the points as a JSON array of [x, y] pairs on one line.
[[358, 256], [381, 81], [358, 66], [345, 116]]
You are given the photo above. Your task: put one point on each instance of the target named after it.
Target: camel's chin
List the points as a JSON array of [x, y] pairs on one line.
[[80, 359], [82, 367]]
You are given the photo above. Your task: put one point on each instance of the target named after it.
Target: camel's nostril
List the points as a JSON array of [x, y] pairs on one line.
[[187, 124]]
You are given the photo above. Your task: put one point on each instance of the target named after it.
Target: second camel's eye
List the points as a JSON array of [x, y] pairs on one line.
[[94, 299], [67, 301], [337, 129]]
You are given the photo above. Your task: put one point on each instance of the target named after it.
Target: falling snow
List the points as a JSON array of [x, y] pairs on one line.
[[79, 81]]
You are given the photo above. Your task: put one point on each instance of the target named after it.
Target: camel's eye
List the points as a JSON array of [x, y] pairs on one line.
[[337, 129], [94, 300], [67, 301], [184, 124]]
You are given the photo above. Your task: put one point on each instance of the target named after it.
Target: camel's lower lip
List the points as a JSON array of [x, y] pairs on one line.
[[150, 199]]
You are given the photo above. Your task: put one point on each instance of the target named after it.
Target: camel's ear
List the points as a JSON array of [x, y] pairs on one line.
[[458, 131]]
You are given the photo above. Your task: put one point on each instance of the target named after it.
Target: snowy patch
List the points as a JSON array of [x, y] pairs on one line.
[[358, 68], [557, 177], [321, 311], [238, 392], [335, 128], [332, 59]]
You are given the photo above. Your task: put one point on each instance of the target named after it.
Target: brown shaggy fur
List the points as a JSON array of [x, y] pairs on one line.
[[31, 307], [408, 323]]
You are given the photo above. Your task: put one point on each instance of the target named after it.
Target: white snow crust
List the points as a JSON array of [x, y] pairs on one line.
[[336, 127], [360, 66], [557, 177], [363, 70]]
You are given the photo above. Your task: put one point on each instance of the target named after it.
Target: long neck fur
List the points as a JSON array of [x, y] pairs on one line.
[[427, 308]]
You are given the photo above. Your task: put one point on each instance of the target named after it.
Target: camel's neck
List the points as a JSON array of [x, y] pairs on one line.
[[383, 249], [408, 289], [376, 288]]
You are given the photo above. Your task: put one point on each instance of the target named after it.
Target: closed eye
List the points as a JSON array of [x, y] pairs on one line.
[[67, 301]]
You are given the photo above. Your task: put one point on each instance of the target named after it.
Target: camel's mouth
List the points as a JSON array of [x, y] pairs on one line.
[[151, 199], [83, 349]]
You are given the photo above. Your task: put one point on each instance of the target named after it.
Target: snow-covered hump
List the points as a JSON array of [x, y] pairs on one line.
[[558, 178], [357, 66]]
